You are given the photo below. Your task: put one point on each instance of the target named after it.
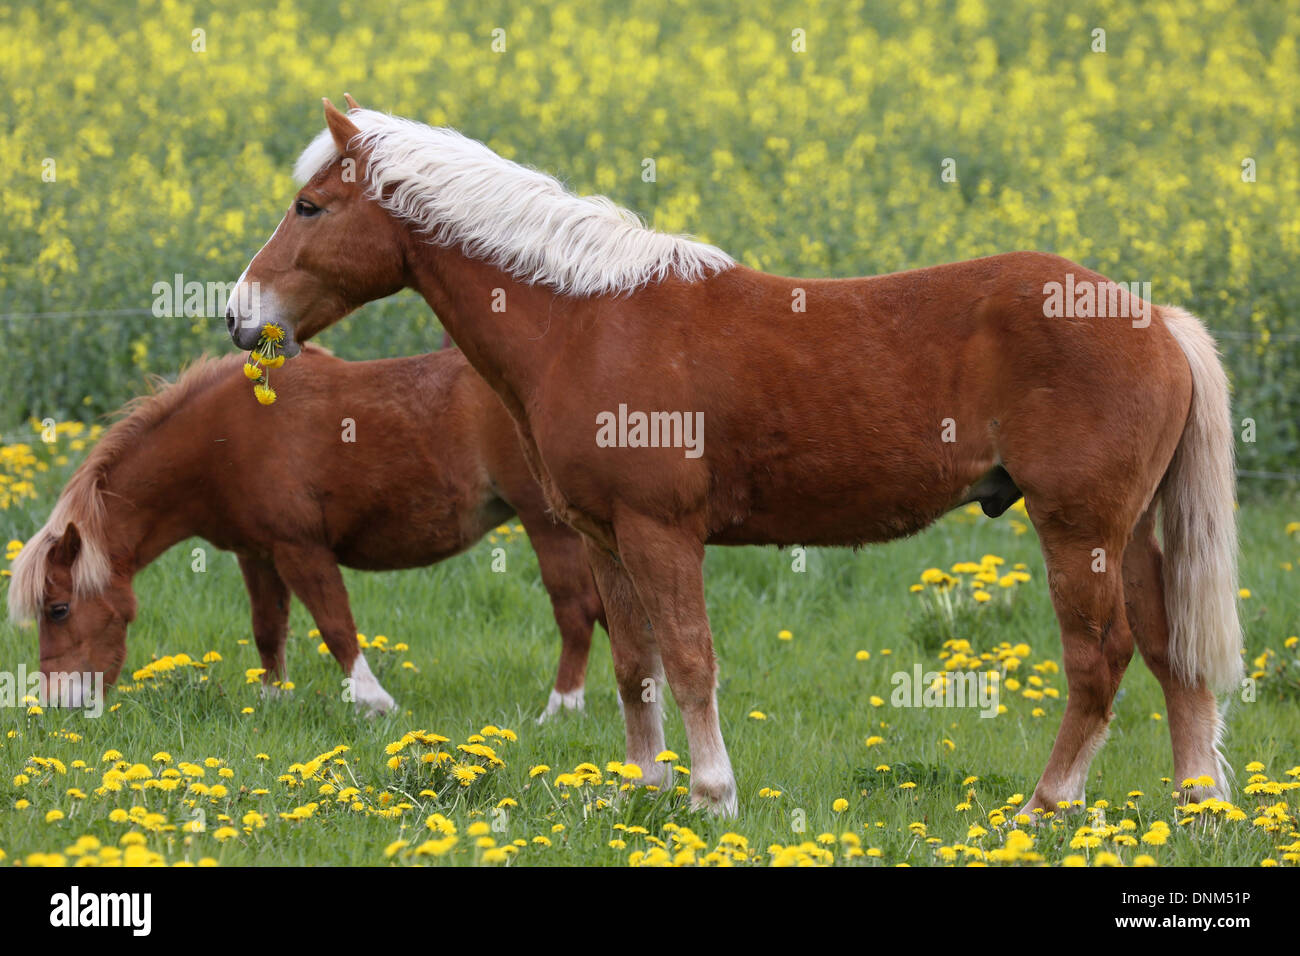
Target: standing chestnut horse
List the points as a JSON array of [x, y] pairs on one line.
[[883, 404], [373, 465]]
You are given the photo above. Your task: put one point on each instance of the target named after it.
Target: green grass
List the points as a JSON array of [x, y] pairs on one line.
[[484, 648]]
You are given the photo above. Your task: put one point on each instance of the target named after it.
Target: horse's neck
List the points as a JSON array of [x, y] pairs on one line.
[[149, 507], [508, 330]]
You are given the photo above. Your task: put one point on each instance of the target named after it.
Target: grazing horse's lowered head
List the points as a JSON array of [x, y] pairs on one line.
[[82, 606]]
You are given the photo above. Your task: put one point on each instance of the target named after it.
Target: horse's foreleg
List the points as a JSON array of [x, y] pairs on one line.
[[268, 598], [637, 665], [313, 575], [666, 564]]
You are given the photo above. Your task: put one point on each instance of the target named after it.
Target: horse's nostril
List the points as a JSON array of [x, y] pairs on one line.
[[230, 321]]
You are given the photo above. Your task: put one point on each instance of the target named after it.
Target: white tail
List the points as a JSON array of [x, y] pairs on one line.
[[1199, 524]]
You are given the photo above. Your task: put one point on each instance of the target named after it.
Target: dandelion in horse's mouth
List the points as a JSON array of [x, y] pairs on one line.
[[262, 359]]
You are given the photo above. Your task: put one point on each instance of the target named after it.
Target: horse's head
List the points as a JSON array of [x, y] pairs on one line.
[[80, 633], [335, 249]]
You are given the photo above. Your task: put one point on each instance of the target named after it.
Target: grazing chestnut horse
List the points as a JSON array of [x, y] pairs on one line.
[[669, 397], [373, 465]]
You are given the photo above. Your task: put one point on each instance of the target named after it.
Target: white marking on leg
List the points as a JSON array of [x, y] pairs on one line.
[[645, 734], [1208, 761], [370, 696], [572, 700], [713, 783]]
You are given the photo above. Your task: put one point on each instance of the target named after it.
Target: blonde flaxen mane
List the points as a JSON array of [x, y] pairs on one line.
[[460, 192], [82, 500]]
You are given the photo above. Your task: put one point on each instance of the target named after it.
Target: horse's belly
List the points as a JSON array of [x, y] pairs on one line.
[[838, 507], [838, 523], [416, 536]]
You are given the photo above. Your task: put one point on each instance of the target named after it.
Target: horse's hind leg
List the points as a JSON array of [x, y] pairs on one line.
[[1194, 722], [562, 560], [1084, 576]]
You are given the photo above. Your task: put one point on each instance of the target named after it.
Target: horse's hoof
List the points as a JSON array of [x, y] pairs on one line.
[[571, 700], [718, 798], [377, 706]]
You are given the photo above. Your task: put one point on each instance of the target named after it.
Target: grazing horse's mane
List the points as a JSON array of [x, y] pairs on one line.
[[460, 192], [82, 501]]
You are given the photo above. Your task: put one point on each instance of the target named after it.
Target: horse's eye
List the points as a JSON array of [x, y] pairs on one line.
[[59, 612], [306, 209]]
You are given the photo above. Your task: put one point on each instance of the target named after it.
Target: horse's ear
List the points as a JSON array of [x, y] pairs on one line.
[[340, 127], [67, 548], [352, 104]]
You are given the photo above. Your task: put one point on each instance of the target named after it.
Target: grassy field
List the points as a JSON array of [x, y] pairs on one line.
[[209, 770]]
